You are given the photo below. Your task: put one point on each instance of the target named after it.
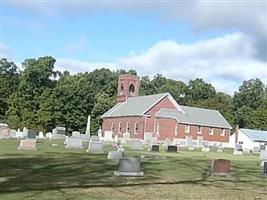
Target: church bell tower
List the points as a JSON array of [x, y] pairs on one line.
[[128, 86]]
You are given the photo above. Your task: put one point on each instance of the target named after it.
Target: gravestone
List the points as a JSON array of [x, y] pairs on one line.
[[263, 157], [13, 133], [147, 138], [19, 134], [116, 138], [220, 167], [99, 132], [137, 145], [25, 132], [129, 167], [171, 148], [265, 169], [200, 141], [28, 144], [48, 135], [154, 147], [238, 150], [114, 155], [246, 151], [41, 135], [94, 138], [220, 148], [59, 130], [85, 137], [205, 149], [189, 141], [126, 137], [32, 134], [108, 136], [76, 134], [74, 142], [95, 147]]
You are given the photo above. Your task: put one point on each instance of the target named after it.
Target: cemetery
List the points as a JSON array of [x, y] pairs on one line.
[[100, 170]]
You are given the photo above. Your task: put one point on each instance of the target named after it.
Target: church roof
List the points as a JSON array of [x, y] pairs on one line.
[[196, 116], [134, 106], [255, 135], [138, 106]]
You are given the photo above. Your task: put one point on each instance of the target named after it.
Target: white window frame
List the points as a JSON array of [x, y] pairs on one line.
[[187, 128], [119, 128], [112, 127], [201, 129], [211, 130], [223, 132], [128, 127], [136, 125]]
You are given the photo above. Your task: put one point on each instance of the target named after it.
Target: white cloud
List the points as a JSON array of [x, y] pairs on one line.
[[75, 66], [225, 61], [249, 17]]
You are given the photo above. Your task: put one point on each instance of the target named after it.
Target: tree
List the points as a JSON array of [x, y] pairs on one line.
[[251, 93], [197, 90], [102, 104], [9, 79]]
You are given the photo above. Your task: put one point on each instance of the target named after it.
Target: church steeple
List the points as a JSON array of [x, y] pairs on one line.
[[128, 86]]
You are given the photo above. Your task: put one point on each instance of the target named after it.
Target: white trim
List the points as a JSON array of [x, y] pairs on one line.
[[170, 98]]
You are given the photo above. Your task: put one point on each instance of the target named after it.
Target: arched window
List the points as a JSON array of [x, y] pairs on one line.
[[128, 127], [136, 127], [131, 89], [112, 127], [120, 128]]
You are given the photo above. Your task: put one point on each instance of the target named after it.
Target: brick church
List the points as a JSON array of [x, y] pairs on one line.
[[161, 115]]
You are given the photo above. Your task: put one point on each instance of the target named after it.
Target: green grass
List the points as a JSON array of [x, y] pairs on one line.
[[59, 173]]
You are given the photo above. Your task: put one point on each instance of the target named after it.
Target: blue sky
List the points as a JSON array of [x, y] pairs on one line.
[[177, 39]]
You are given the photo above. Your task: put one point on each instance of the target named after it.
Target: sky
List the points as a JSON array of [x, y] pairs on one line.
[[223, 42]]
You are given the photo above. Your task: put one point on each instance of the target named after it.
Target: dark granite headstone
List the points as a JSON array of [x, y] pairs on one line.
[[262, 147], [265, 169], [32, 134], [154, 147], [129, 167], [171, 148], [239, 147]]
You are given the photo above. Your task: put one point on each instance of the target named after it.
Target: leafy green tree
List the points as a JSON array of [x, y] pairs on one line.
[[9, 80], [102, 104]]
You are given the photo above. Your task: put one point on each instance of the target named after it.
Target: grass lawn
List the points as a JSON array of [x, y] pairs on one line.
[[58, 173]]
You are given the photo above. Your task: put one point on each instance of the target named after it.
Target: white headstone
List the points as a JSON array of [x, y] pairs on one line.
[[76, 134], [87, 132], [48, 135], [99, 132], [95, 147], [41, 135], [74, 142], [116, 138], [137, 145], [108, 136], [114, 155], [205, 149], [13, 133], [148, 138]]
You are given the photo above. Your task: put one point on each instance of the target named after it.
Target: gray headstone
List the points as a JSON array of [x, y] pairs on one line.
[[114, 155], [32, 134], [76, 134], [137, 145], [94, 138], [148, 138], [95, 147], [129, 167], [74, 142]]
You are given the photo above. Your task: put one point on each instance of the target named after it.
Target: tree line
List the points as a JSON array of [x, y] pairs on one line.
[[41, 98]]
